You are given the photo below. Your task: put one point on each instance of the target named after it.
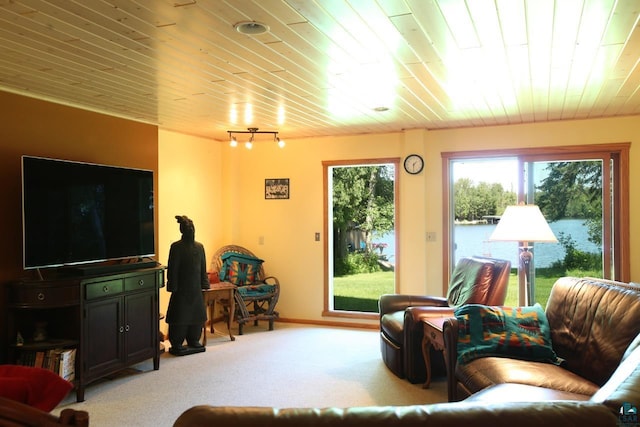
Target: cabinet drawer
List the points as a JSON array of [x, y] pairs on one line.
[[45, 296], [103, 289], [145, 281]]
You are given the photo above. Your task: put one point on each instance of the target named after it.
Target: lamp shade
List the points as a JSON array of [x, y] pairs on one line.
[[523, 223]]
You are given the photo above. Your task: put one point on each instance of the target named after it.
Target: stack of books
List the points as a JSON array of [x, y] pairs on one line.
[[62, 361]]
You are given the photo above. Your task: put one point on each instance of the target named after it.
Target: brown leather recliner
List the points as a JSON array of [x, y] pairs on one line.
[[475, 280]]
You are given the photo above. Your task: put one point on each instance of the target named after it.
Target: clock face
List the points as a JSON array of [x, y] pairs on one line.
[[413, 164]]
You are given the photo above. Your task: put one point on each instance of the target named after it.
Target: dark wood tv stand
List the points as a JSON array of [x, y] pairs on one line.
[[111, 319]]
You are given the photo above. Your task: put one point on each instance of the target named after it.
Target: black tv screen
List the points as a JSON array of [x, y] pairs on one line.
[[75, 213]]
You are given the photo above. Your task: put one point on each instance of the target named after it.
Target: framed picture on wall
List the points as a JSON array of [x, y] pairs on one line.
[[276, 188]]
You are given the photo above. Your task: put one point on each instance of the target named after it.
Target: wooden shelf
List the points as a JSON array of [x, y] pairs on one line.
[[45, 345]]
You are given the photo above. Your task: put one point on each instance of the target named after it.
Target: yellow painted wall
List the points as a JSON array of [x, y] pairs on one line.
[[39, 128], [287, 227], [189, 184], [240, 215], [222, 189]]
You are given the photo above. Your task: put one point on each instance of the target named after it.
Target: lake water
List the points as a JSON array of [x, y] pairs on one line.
[[474, 240]]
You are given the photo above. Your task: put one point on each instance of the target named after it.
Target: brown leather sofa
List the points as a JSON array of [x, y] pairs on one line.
[[595, 328], [503, 405], [479, 414], [478, 280], [592, 324]]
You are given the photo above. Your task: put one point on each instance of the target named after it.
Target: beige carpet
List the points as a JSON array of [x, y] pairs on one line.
[[292, 366]]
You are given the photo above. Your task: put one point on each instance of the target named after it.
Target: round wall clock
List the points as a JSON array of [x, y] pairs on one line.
[[413, 164]]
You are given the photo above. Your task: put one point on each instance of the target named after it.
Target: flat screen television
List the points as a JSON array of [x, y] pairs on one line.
[[79, 213]]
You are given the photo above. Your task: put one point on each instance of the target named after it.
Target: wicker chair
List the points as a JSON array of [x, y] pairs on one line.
[[254, 301]]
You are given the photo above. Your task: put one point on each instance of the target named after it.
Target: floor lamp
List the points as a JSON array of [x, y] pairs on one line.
[[524, 224]]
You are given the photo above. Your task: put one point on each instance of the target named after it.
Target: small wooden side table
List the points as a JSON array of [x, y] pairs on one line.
[[432, 336], [216, 292]]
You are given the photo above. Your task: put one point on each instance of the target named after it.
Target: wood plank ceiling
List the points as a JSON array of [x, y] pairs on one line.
[[326, 67]]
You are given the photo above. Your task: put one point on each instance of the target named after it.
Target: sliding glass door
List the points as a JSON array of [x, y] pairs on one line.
[[579, 193], [360, 219]]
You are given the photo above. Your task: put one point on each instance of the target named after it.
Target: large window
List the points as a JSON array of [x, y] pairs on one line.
[[582, 192], [360, 230]]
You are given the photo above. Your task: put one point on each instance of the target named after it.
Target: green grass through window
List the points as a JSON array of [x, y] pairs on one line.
[[360, 292]]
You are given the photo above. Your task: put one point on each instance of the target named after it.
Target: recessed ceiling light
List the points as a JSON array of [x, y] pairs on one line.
[[381, 109], [251, 28]]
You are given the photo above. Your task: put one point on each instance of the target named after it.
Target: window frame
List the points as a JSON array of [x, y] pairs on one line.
[[618, 153], [326, 165]]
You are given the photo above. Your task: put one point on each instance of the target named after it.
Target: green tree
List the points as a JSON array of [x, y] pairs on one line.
[[363, 199], [573, 190], [462, 193], [476, 201]]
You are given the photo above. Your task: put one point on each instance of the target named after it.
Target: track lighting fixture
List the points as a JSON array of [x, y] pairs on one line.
[[233, 141]]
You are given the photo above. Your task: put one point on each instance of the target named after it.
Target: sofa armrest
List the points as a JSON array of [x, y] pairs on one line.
[[390, 303], [522, 414], [13, 413], [624, 385]]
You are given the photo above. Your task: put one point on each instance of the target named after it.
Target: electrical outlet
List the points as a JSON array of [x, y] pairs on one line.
[[431, 236], [317, 237]]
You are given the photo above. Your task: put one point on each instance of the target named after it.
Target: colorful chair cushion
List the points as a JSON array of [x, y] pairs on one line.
[[516, 332], [256, 291], [240, 269]]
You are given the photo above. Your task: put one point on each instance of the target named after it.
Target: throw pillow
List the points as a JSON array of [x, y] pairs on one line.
[[240, 269], [37, 387], [517, 332]]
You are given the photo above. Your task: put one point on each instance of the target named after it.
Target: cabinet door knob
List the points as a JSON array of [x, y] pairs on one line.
[[121, 329], [105, 289], [141, 282], [40, 296], [126, 328]]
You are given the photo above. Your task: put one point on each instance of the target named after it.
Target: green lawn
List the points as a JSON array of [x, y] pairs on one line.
[[360, 292], [543, 286]]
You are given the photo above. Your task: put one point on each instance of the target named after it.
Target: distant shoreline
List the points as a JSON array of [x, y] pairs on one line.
[[474, 222]]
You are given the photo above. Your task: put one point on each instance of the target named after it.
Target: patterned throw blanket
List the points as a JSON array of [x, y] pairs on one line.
[[516, 332]]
